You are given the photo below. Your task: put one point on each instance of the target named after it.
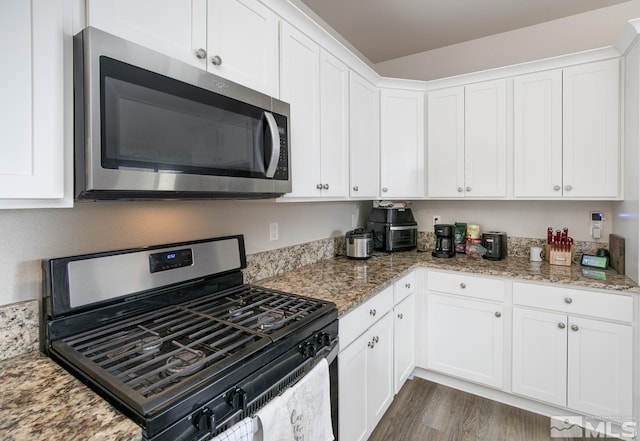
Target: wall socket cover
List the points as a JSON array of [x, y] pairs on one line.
[[436, 219]]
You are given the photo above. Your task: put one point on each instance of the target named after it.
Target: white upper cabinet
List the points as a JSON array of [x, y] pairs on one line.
[[537, 155], [242, 43], [591, 151], [467, 141], [445, 143], [32, 86], [235, 39], [364, 138], [402, 147], [177, 28], [316, 85]]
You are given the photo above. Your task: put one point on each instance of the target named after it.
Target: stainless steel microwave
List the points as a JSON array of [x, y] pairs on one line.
[[149, 126]]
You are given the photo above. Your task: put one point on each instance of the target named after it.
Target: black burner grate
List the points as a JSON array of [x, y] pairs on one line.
[[157, 350]]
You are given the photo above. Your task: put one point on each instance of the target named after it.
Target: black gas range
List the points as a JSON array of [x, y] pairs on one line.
[[172, 337]]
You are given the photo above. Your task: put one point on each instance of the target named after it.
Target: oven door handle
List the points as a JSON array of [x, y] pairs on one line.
[[275, 145]]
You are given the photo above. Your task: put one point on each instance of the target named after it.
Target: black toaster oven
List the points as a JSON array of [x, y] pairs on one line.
[[394, 229]]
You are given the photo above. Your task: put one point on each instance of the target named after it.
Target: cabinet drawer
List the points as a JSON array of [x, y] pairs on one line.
[[403, 287], [360, 319], [574, 301], [465, 285]]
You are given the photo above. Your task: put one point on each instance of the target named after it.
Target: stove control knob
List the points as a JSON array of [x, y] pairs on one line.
[[205, 420], [308, 350], [324, 339], [237, 398]]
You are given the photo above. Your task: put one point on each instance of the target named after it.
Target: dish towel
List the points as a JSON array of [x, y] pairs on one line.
[[242, 431], [302, 412]]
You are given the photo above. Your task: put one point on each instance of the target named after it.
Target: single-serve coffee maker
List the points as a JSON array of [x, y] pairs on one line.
[[445, 246]]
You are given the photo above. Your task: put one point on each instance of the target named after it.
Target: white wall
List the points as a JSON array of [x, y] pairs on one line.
[[27, 236], [517, 218], [589, 30]]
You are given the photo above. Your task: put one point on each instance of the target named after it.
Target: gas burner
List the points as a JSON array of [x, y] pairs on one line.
[[150, 343], [270, 319], [187, 359]]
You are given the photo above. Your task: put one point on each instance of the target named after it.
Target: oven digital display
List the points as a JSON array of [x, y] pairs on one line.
[[170, 260]]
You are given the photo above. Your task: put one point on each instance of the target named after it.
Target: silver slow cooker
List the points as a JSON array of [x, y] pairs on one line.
[[359, 243]]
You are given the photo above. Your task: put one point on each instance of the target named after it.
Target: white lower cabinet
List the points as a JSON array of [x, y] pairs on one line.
[[584, 364], [365, 390], [404, 336]]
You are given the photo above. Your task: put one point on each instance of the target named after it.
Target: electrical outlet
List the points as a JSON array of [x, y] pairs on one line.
[[436, 219], [273, 231]]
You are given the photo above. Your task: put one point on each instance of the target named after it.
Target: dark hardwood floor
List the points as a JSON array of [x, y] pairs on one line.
[[426, 411]]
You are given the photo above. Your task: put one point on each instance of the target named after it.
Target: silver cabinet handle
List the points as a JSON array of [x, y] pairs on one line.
[[376, 339], [319, 186], [201, 54], [498, 314], [568, 300], [216, 60], [463, 285], [556, 188], [355, 188], [574, 327], [325, 187], [384, 189], [407, 285], [468, 189], [371, 344], [460, 189], [400, 316], [561, 325], [568, 187], [372, 312]]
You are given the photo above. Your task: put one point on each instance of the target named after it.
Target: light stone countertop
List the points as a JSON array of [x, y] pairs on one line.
[[41, 401]]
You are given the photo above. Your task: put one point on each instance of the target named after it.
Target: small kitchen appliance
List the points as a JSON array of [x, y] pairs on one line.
[[445, 244], [359, 243], [496, 244], [394, 229], [172, 337]]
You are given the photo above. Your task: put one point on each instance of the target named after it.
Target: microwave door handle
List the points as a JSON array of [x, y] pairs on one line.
[[275, 141]]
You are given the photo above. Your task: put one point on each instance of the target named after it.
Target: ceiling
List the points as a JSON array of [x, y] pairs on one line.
[[386, 29]]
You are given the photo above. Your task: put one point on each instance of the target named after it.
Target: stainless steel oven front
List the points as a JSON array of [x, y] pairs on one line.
[[149, 126]]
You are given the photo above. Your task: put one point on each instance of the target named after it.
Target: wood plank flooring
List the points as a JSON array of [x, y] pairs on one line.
[[426, 411]]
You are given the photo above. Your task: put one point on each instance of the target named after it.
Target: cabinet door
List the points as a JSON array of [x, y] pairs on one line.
[[600, 368], [364, 137], [299, 86], [334, 126], [445, 143], [32, 121], [401, 143], [537, 120], [177, 28], [244, 35], [486, 139], [591, 152], [465, 338], [404, 336], [379, 370], [352, 390], [539, 358]]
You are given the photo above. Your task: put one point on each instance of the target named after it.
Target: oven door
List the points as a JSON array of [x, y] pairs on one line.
[[152, 124]]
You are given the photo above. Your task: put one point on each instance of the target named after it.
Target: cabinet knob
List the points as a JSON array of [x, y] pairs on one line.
[[468, 189], [561, 325], [400, 316], [371, 344], [463, 285], [568, 300], [201, 54], [556, 188], [498, 314], [384, 189], [325, 186], [574, 327], [319, 186], [568, 187], [216, 60], [376, 339], [355, 188], [460, 189], [407, 285], [372, 312]]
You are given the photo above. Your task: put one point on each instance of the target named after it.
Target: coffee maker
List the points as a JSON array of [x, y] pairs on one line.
[[445, 246]]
